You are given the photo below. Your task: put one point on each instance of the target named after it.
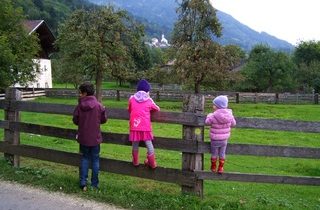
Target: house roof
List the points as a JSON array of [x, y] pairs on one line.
[[32, 25], [44, 33]]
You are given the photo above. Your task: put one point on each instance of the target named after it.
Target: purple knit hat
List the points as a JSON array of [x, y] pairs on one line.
[[221, 102], [143, 85]]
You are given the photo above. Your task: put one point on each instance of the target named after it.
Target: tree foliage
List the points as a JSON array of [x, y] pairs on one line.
[[198, 58], [268, 70], [18, 49], [93, 43], [307, 57]]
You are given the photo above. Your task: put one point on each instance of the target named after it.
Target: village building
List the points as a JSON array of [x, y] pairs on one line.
[[46, 39], [163, 43]]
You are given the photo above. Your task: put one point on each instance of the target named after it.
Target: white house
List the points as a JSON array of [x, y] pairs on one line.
[[46, 38]]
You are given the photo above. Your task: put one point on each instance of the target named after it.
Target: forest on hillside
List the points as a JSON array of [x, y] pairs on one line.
[[55, 12]]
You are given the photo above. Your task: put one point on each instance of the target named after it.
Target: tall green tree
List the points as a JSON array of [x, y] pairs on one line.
[[269, 70], [307, 57], [92, 43], [18, 49], [198, 58]]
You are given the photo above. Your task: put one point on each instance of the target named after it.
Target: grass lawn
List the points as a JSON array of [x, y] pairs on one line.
[[137, 193]]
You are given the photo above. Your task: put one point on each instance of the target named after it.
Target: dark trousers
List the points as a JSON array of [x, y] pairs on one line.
[[90, 155]]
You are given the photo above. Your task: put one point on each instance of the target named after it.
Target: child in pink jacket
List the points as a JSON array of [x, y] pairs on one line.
[[140, 106], [221, 121]]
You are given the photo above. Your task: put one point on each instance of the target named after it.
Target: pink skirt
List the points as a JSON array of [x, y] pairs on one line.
[[140, 136]]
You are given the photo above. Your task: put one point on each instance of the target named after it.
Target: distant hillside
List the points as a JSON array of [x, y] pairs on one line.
[[237, 33], [161, 15]]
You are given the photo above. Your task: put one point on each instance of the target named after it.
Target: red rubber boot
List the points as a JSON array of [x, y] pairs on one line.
[[221, 163], [151, 161], [135, 158], [213, 165]]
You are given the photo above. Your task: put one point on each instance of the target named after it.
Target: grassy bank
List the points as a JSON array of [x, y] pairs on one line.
[[139, 193]]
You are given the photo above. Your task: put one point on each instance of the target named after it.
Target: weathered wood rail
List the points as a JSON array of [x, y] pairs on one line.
[[192, 146], [236, 97], [28, 94]]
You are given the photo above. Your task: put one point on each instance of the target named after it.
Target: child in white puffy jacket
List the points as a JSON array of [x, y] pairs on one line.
[[221, 121]]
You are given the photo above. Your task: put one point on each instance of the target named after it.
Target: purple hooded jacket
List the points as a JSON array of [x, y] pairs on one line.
[[88, 115], [221, 122]]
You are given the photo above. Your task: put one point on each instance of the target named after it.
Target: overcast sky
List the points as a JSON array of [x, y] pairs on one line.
[[290, 20]]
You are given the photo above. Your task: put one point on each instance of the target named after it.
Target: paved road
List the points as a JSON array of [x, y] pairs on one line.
[[14, 196]]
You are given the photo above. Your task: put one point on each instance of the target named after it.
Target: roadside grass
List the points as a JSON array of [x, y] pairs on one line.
[[137, 193]]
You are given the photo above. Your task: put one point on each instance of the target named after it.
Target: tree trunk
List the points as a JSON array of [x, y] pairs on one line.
[[196, 87], [99, 78], [270, 86]]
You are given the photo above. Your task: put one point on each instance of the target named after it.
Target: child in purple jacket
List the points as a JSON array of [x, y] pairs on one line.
[[140, 107], [221, 121], [88, 115]]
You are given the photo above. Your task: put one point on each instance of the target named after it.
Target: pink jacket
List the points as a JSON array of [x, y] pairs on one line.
[[140, 106], [221, 122]]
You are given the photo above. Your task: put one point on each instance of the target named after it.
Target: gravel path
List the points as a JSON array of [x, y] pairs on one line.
[[14, 196]]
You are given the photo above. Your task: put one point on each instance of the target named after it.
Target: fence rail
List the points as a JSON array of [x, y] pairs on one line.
[[235, 97], [170, 175], [169, 143], [28, 94], [171, 117], [192, 144]]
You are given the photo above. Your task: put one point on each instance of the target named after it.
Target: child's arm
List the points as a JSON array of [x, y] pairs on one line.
[[103, 118], [75, 118], [233, 122], [154, 106], [209, 119], [129, 105]]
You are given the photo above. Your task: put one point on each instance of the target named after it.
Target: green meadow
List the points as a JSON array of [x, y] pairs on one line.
[[137, 193]]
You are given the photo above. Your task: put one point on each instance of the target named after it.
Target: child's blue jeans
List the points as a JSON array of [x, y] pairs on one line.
[[90, 155]]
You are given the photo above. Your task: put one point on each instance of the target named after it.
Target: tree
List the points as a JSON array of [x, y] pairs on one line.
[[198, 58], [92, 43], [223, 76], [268, 70], [307, 57], [17, 49]]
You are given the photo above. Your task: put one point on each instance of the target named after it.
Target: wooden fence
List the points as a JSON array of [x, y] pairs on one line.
[[190, 177], [235, 97], [28, 94]]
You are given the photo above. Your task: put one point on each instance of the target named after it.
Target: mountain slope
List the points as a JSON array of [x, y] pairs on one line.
[[162, 13], [237, 33]]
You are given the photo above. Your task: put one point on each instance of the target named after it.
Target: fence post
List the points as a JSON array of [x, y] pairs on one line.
[[118, 95], [192, 161], [158, 96], [277, 98], [11, 114], [237, 98], [316, 98], [255, 98]]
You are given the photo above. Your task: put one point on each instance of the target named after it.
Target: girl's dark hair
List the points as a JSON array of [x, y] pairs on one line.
[[87, 87]]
